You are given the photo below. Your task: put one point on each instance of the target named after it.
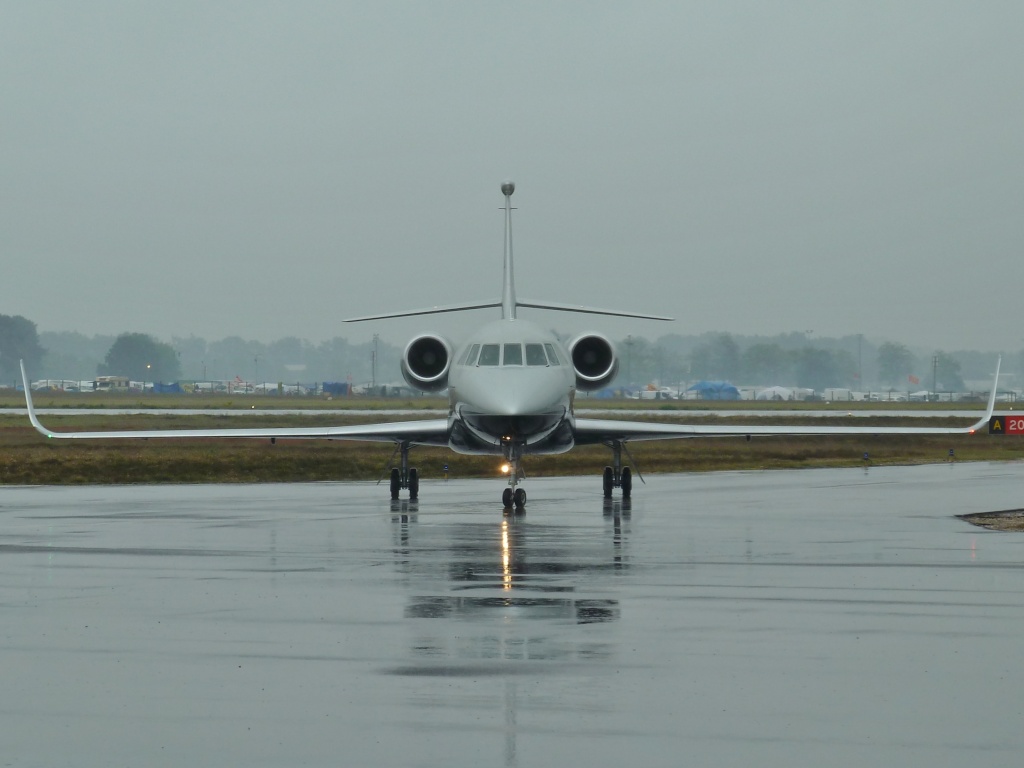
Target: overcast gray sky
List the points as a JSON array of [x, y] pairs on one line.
[[267, 169]]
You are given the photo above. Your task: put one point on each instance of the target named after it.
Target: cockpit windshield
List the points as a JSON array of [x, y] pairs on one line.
[[510, 354], [513, 354], [489, 354], [535, 355]]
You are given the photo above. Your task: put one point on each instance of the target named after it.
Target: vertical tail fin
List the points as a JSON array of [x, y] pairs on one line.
[[508, 290], [508, 303]]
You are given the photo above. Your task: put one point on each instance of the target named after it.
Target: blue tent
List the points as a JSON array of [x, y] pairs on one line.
[[715, 390], [337, 388]]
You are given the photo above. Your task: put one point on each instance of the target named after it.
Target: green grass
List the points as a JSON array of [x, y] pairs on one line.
[[28, 458]]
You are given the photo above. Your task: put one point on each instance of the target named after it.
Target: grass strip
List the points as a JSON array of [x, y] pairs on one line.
[[28, 458]]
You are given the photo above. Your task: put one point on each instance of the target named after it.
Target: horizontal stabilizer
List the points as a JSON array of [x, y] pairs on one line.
[[585, 310], [579, 308], [427, 311]]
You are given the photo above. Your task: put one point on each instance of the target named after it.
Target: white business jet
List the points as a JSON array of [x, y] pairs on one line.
[[511, 387]]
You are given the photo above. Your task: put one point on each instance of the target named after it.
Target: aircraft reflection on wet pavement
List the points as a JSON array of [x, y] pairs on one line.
[[513, 567], [511, 587]]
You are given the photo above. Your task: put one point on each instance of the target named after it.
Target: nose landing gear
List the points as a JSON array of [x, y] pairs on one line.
[[516, 497], [513, 495]]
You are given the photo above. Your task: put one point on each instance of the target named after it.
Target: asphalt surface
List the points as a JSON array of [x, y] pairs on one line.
[[820, 617]]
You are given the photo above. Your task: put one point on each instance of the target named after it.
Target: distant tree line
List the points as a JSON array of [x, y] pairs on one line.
[[18, 341], [143, 358], [792, 359], [788, 359]]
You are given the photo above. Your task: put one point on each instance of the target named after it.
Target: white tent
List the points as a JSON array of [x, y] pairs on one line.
[[775, 393]]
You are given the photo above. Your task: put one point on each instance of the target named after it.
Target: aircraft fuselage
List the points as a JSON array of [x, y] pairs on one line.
[[511, 384]]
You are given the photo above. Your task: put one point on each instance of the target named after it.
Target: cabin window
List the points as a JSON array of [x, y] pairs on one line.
[[470, 357], [513, 354], [489, 354], [535, 354], [551, 354]]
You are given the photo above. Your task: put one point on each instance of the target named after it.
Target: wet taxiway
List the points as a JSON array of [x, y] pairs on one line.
[[825, 617]]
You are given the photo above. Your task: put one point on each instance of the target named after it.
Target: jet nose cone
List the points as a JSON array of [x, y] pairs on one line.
[[518, 402], [527, 404]]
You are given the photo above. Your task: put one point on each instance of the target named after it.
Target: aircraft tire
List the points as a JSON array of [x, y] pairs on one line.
[[609, 482], [506, 497], [396, 482], [519, 497], [414, 483], [627, 482]]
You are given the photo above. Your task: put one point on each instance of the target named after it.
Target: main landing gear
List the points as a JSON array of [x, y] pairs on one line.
[[617, 476], [404, 477]]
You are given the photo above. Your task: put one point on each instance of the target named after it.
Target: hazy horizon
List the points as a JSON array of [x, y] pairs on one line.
[[264, 170], [398, 341]]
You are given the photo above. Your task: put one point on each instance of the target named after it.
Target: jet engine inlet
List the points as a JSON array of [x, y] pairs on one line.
[[426, 361], [595, 362]]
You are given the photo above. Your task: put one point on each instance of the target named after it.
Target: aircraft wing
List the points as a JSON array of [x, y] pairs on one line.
[[423, 432], [590, 431]]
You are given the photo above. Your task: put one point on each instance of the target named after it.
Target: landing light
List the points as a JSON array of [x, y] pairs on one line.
[[505, 468]]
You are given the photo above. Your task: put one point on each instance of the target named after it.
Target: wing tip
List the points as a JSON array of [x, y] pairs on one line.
[[30, 406]]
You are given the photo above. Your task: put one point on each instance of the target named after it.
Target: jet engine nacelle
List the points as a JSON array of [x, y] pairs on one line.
[[593, 358], [426, 362]]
